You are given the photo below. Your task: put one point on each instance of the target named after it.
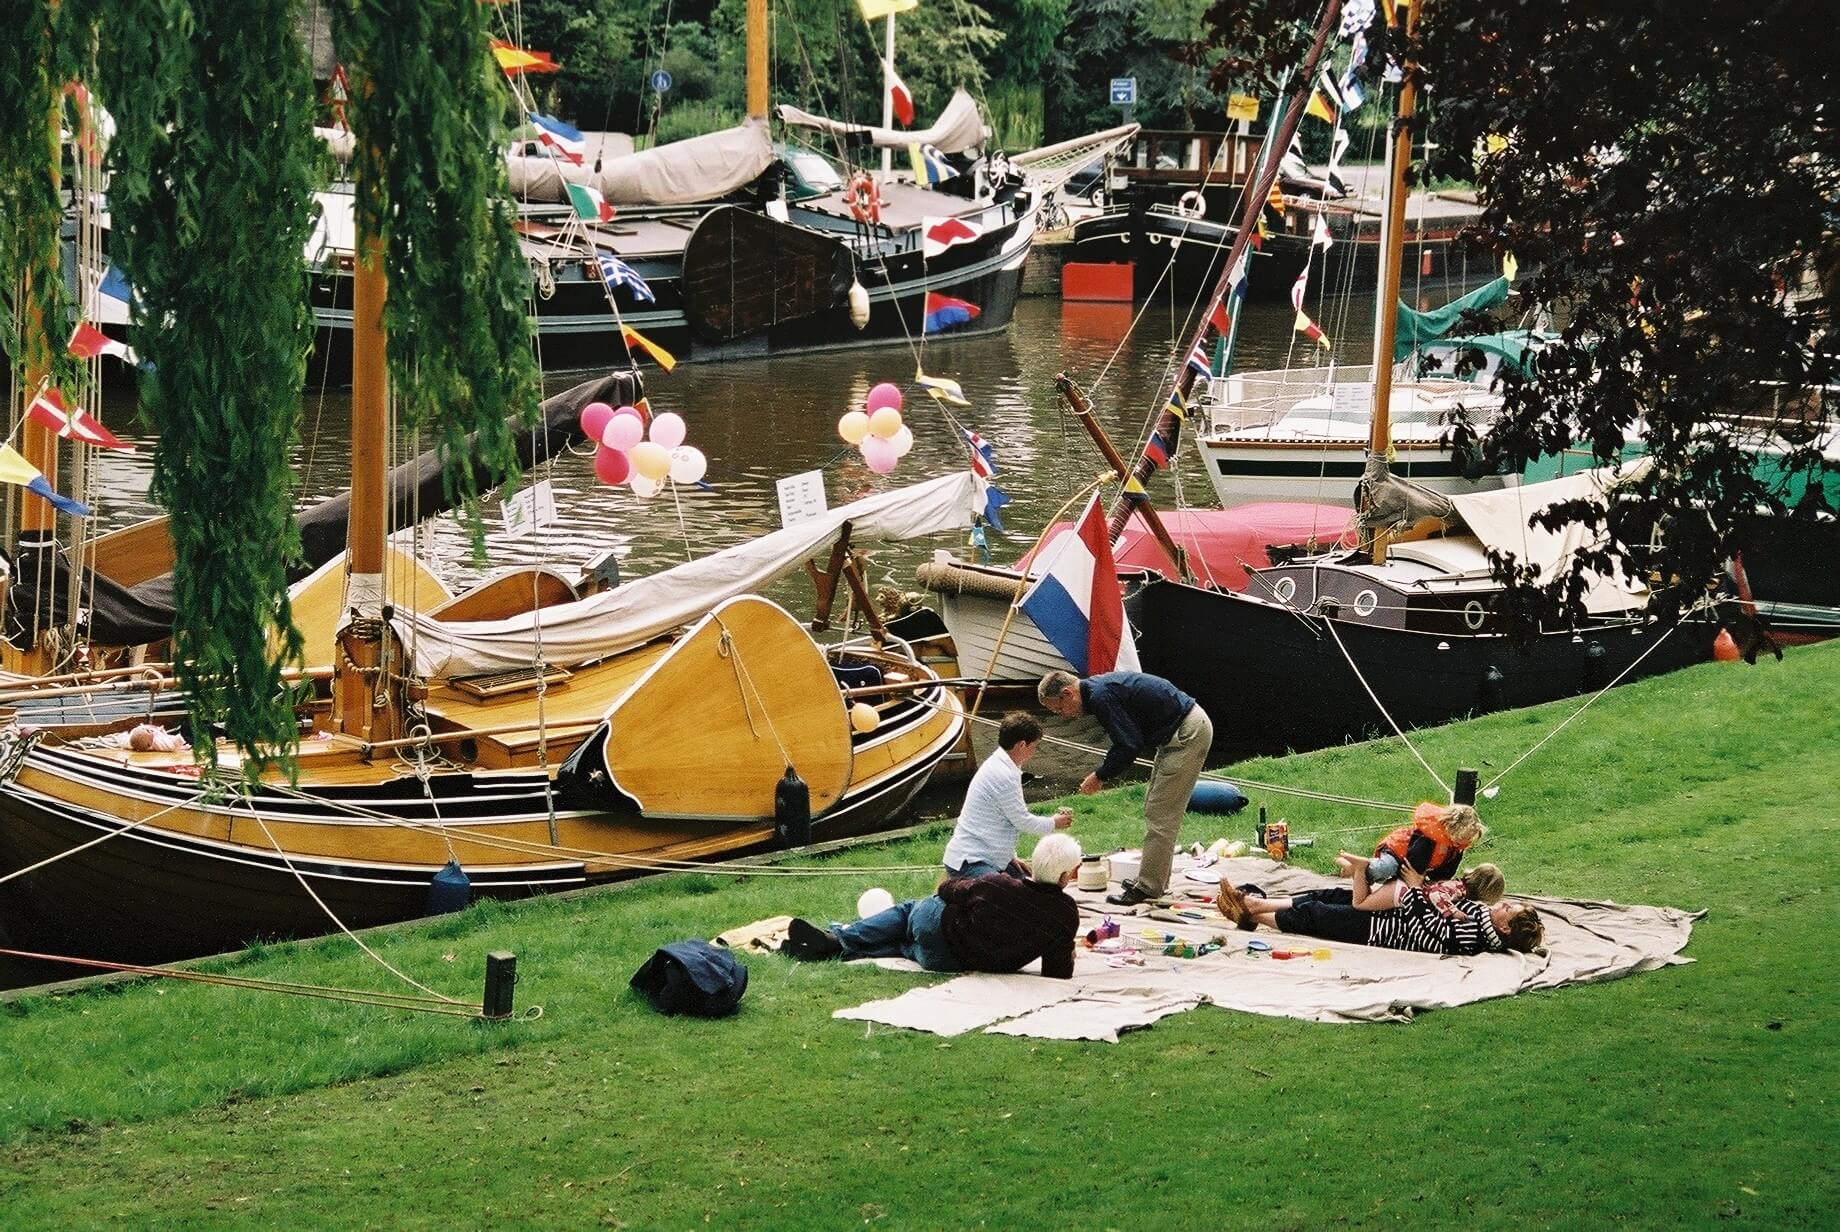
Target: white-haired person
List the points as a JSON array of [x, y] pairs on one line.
[[1142, 714], [997, 923]]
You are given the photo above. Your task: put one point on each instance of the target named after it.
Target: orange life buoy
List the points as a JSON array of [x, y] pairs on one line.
[[865, 198]]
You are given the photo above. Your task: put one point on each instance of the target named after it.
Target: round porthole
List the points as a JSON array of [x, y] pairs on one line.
[[1365, 603], [1474, 614], [1285, 588]]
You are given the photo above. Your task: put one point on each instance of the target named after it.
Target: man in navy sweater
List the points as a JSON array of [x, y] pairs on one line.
[[1141, 713]]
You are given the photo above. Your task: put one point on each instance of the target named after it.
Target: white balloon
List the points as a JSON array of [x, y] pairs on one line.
[[668, 429], [645, 488], [902, 441], [872, 900], [688, 465]]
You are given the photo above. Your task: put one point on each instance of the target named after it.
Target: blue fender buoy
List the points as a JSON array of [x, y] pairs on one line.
[[451, 890], [1216, 799]]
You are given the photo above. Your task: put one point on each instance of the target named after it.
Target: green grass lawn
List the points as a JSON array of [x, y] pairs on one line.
[[1699, 1096]]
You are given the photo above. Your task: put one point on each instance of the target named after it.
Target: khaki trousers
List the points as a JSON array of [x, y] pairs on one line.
[[1172, 781]]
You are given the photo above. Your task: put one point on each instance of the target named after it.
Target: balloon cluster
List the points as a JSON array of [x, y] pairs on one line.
[[627, 456], [877, 429]]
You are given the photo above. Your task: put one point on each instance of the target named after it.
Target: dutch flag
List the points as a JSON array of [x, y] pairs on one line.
[[983, 455], [1076, 601], [565, 139]]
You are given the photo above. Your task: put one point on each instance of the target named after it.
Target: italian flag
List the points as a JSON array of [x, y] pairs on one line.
[[589, 204]]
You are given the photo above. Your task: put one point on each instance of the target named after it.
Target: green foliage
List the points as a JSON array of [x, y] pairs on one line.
[[193, 1105], [35, 61], [427, 107], [1016, 115], [1162, 44], [212, 169]]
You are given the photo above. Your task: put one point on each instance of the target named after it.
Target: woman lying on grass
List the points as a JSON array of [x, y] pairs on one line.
[[1396, 916]]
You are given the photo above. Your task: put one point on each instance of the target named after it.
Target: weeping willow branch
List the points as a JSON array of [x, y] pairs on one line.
[[34, 64], [427, 110], [213, 166]]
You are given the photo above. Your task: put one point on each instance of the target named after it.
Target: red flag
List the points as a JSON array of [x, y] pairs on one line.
[[1218, 318], [78, 425], [516, 60], [900, 96], [87, 342], [939, 234]]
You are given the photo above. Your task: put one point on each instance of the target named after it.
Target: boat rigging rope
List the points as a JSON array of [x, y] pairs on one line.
[[744, 684], [1541, 743], [384, 1000], [1380, 706], [333, 915]]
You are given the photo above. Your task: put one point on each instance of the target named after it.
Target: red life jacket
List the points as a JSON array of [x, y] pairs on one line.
[[1428, 820]]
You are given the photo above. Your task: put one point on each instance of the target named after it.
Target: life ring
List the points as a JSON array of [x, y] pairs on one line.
[[1192, 204], [865, 198], [1474, 614]]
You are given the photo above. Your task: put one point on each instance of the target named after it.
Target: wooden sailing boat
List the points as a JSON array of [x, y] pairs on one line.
[[1324, 648], [676, 718]]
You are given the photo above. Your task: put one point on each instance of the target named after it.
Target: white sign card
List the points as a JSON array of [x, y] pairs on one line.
[[532, 507], [1350, 399], [801, 498]]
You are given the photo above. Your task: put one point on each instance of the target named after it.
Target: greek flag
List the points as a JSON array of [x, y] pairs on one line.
[[616, 273]]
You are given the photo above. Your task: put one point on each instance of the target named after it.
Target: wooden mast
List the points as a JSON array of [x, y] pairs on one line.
[[1392, 260], [1253, 201], [364, 704], [757, 59]]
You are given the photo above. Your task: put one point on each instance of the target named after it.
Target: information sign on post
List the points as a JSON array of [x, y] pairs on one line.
[[1124, 91], [801, 498], [661, 80]]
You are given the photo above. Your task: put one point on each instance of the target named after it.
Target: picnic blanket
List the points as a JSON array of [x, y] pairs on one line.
[[1586, 942]]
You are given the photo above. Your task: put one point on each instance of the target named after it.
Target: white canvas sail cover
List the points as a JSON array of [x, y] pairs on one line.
[[958, 128], [647, 607], [680, 173], [1499, 519]]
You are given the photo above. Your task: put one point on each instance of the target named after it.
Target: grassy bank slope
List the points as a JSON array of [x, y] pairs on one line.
[[1700, 1095]]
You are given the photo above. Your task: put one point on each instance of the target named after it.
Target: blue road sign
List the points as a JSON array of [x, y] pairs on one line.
[[1124, 91], [661, 80]]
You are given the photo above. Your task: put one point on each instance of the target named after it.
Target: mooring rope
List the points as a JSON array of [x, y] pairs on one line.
[[1384, 712]]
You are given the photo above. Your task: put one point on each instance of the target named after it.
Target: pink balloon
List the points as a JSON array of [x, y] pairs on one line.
[[611, 466], [879, 453], [594, 417], [624, 430], [882, 395], [668, 429]]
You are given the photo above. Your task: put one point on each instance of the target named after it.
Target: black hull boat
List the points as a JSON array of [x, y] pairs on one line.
[[1274, 679], [577, 328]]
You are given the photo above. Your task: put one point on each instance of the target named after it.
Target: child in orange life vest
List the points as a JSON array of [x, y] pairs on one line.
[[1430, 848]]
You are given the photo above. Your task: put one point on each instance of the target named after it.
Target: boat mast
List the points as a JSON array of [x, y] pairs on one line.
[[757, 59], [364, 704], [888, 92], [1253, 201], [1392, 260]]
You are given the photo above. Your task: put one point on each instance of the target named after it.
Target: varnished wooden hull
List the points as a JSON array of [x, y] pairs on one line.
[[178, 876]]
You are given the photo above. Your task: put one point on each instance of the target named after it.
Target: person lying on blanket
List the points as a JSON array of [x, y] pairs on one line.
[[1395, 916], [1482, 884], [994, 923]]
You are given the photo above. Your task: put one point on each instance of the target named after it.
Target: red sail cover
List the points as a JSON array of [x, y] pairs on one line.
[[1221, 542]]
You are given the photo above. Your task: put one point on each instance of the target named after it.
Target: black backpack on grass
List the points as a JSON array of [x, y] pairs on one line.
[[692, 977]]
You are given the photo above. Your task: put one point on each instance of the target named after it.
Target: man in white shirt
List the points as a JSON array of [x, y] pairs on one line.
[[995, 813]]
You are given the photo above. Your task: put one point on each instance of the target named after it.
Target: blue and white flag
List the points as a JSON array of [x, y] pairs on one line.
[[1076, 601], [1357, 15], [616, 273]]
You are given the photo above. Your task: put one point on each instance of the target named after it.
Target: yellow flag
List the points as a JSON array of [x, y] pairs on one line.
[[1509, 267], [1319, 107], [1242, 107], [875, 10], [663, 358]]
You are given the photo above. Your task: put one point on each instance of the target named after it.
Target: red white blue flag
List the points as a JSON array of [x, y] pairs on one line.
[[1076, 601], [983, 455], [1198, 361], [943, 312], [565, 139]]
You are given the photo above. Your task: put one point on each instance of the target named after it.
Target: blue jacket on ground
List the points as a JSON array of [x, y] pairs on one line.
[[1138, 711]]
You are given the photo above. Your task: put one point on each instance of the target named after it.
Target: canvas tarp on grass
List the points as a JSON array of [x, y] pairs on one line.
[[1586, 942]]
